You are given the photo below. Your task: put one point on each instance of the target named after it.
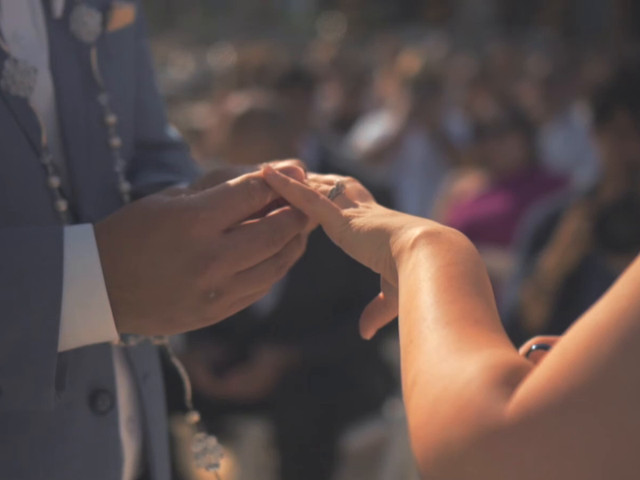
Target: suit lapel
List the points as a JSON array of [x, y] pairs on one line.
[[145, 362], [91, 176], [23, 114], [69, 62]]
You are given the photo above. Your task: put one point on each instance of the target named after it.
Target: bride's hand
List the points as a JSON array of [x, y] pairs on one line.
[[373, 235]]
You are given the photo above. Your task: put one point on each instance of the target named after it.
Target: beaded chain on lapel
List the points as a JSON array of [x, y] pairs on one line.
[[87, 24], [18, 78]]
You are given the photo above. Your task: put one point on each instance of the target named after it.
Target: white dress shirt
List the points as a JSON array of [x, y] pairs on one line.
[[86, 317]]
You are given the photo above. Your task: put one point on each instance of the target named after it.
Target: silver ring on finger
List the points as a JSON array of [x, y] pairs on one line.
[[337, 190], [545, 347]]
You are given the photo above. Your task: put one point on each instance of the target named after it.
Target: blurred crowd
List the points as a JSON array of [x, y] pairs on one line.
[[531, 147]]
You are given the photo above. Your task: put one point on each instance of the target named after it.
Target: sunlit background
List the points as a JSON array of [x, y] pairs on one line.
[[477, 113]]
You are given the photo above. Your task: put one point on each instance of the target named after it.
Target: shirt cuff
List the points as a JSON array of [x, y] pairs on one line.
[[86, 317]]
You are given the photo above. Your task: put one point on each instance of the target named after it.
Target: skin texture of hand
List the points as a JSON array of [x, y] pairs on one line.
[[373, 235], [224, 173], [187, 258]]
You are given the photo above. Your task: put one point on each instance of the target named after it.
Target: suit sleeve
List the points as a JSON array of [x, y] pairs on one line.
[[161, 158], [31, 263]]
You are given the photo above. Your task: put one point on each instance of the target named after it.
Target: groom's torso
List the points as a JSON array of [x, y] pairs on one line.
[[79, 437]]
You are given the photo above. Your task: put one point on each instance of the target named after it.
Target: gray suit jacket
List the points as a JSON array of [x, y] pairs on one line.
[[58, 412]]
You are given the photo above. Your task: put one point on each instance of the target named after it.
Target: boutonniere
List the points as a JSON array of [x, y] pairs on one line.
[[87, 23], [18, 77]]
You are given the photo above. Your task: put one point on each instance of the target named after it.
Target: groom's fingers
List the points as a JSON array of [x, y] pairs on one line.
[[242, 197], [304, 198], [262, 276], [273, 231], [380, 311]]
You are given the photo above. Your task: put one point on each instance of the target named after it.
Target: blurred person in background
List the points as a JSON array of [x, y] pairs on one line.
[[508, 181], [295, 357], [407, 139], [344, 91], [245, 128], [565, 143], [575, 246], [295, 89], [476, 407]]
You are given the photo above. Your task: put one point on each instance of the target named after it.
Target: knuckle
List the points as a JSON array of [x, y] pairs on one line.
[[257, 192], [198, 223], [205, 288], [282, 262], [292, 221], [209, 274], [195, 230], [275, 238], [214, 295], [348, 180]]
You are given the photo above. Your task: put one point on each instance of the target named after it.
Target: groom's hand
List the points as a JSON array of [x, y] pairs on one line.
[[225, 173], [184, 259]]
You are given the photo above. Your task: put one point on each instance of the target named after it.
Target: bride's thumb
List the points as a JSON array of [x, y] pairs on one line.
[[378, 313]]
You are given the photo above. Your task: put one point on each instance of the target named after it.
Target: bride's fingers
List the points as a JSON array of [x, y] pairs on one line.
[[381, 310], [327, 183], [323, 188], [328, 179], [307, 199]]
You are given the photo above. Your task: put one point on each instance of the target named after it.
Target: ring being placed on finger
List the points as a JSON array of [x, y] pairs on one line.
[[337, 190]]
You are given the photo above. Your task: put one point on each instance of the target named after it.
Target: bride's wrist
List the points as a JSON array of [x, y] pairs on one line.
[[430, 238]]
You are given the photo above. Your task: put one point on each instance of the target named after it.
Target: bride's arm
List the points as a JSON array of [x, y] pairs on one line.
[[476, 409], [459, 369]]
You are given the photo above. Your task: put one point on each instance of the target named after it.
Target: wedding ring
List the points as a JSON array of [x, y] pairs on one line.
[[545, 347], [337, 190]]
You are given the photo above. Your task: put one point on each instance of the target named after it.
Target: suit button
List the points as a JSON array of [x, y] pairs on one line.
[[101, 401]]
